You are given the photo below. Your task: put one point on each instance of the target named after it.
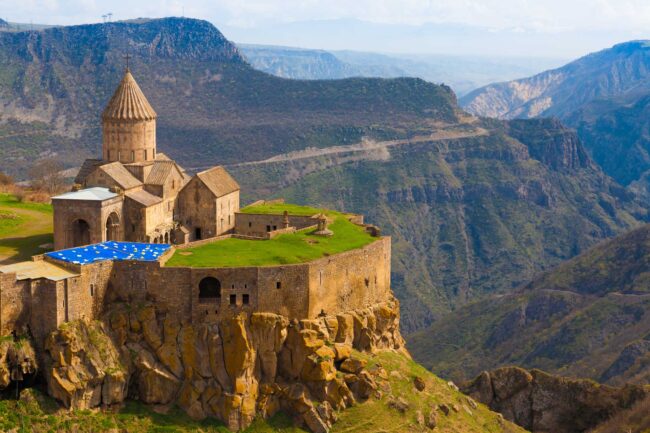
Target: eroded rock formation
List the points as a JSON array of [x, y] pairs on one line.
[[246, 366], [17, 361], [541, 402]]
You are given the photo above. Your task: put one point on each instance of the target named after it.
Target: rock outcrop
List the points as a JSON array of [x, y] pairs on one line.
[[541, 402], [244, 367], [17, 361]]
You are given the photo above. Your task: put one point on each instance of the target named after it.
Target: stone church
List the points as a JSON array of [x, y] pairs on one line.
[[136, 194]]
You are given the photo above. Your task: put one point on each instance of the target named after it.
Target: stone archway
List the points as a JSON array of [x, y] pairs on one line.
[[113, 227], [209, 290], [80, 231]]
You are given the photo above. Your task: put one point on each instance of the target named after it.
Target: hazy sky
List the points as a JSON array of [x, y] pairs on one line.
[[555, 28]]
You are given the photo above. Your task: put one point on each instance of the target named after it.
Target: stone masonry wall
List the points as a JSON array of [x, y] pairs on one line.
[[258, 225]]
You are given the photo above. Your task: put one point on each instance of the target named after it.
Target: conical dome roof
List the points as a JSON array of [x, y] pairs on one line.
[[128, 102]]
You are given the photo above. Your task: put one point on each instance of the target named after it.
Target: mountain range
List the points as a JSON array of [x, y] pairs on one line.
[[604, 96], [462, 73]]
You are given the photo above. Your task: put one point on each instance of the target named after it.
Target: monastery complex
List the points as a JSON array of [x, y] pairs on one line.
[[136, 226]]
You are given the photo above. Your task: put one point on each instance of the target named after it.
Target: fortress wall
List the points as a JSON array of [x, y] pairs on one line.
[[350, 280], [47, 307], [86, 293], [14, 302], [235, 284], [291, 298]]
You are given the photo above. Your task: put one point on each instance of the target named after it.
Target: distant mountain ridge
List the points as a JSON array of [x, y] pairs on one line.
[[621, 70], [461, 73], [604, 95]]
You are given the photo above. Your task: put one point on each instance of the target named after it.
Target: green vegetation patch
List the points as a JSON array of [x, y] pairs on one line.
[[299, 247], [24, 227]]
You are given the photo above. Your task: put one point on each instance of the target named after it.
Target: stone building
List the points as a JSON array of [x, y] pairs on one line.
[[137, 194]]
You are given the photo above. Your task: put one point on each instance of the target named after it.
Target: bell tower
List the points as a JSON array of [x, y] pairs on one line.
[[129, 125]]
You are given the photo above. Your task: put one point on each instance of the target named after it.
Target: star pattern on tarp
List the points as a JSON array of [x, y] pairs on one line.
[[110, 250]]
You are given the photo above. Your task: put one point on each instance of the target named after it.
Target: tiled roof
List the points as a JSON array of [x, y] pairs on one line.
[[219, 181], [143, 197], [95, 194], [128, 102], [120, 175], [159, 172]]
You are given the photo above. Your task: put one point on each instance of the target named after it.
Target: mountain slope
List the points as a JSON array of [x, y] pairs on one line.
[[212, 106], [469, 214], [589, 317], [604, 95]]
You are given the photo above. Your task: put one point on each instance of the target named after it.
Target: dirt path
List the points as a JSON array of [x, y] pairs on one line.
[[368, 145]]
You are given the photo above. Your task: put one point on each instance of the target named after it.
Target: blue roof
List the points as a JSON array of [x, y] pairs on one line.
[[110, 250]]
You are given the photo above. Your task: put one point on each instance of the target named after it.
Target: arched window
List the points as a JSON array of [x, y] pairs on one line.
[[209, 289]]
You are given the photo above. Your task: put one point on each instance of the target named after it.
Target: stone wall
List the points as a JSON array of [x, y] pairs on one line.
[[121, 138], [197, 210], [353, 279], [14, 302], [259, 225]]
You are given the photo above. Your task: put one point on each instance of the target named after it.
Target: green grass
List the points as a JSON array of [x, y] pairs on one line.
[[297, 247], [42, 414], [29, 227]]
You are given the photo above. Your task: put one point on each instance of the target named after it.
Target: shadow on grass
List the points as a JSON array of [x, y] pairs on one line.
[[24, 247]]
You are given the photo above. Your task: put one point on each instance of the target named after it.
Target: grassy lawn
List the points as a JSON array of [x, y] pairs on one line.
[[297, 247], [23, 227], [279, 208]]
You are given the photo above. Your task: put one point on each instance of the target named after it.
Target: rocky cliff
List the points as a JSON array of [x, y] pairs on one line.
[[541, 402], [243, 368]]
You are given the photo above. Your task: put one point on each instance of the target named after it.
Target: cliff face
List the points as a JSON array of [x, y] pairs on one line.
[[541, 402], [246, 367]]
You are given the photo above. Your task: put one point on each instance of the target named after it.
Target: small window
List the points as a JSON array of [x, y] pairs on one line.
[[278, 285], [132, 156], [275, 228], [245, 299], [233, 299], [245, 286], [250, 224], [268, 228], [232, 287], [108, 154], [145, 154], [92, 290], [367, 281]]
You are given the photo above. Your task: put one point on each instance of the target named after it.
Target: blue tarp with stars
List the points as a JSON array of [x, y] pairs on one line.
[[110, 250]]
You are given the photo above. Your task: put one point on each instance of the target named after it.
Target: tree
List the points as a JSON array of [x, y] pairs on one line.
[[5, 179], [47, 175]]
